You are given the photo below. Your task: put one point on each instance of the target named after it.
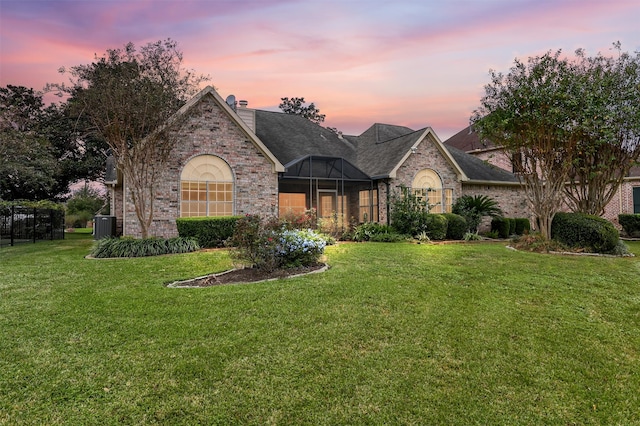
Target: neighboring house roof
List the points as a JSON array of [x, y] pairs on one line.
[[467, 140]]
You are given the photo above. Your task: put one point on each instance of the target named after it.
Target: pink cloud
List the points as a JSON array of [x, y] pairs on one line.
[[402, 62]]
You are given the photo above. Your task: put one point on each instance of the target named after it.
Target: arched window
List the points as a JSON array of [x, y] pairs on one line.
[[206, 187], [428, 185]]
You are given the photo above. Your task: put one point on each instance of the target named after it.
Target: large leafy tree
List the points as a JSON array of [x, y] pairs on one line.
[[43, 149], [27, 166], [128, 96], [607, 117], [297, 106], [528, 112]]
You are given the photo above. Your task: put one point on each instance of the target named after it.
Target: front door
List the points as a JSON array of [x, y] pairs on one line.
[[327, 204]]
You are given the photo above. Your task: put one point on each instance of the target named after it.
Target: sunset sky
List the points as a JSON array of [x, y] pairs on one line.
[[416, 63]]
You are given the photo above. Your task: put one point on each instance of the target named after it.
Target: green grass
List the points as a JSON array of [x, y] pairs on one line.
[[391, 334]]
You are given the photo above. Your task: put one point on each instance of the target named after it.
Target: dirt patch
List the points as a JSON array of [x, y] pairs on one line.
[[247, 275]]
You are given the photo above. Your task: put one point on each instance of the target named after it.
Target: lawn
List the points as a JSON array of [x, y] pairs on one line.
[[452, 334]]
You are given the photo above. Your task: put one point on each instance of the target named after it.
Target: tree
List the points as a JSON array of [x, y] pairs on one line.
[[85, 203], [128, 97], [296, 106], [608, 124], [44, 149], [28, 165], [529, 113]]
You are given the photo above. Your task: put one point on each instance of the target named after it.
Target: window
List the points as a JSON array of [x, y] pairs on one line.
[[206, 187], [636, 200], [292, 203], [428, 186], [368, 206]]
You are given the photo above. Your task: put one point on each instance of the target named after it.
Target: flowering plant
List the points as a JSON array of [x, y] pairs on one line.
[[266, 248]]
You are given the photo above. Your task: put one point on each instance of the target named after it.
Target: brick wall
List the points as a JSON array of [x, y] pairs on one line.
[[209, 130], [511, 199]]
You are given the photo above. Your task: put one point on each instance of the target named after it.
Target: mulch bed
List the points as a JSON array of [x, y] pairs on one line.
[[247, 275]]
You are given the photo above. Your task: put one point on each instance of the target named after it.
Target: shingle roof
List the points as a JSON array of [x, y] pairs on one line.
[[290, 137], [467, 140], [382, 146], [377, 151], [476, 169]]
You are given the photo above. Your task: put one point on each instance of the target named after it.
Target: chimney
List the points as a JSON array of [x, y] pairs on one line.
[[247, 115]]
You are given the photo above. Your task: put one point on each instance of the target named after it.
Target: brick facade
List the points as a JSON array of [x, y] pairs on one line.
[[210, 130]]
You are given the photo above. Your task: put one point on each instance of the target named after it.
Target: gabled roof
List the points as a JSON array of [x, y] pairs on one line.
[[379, 151], [210, 91], [479, 170], [291, 137]]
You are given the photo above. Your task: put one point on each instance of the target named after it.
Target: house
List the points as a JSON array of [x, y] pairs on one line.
[[231, 159], [625, 201]]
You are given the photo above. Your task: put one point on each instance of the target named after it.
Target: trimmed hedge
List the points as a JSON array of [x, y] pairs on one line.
[[589, 232], [456, 226], [502, 226], [522, 225], [208, 231], [506, 226], [630, 223], [435, 226]]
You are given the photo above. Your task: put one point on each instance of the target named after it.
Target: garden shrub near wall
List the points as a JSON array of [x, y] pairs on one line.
[[630, 224], [436, 226], [502, 226], [456, 226], [141, 247], [591, 233], [522, 225], [208, 231], [376, 232]]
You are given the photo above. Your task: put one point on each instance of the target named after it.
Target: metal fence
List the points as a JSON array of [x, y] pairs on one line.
[[30, 224]]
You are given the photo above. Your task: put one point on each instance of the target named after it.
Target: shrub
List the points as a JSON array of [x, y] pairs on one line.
[[135, 247], [435, 226], [299, 248], [578, 230], [501, 225], [630, 224], [474, 208], [537, 243], [292, 220], [512, 225], [408, 212], [456, 226], [208, 231], [522, 225], [373, 231], [256, 245]]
